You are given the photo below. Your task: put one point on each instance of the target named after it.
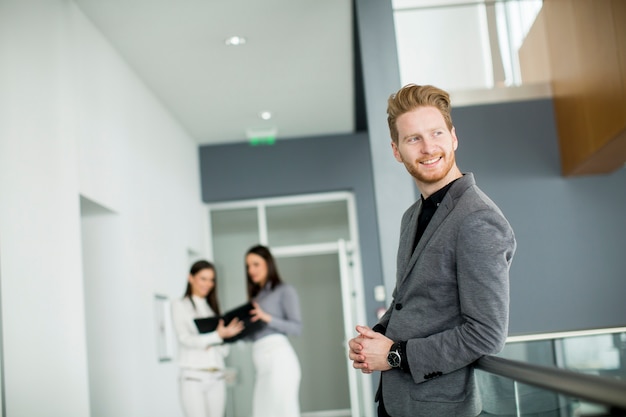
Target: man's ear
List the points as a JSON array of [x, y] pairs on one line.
[[455, 140], [396, 152]]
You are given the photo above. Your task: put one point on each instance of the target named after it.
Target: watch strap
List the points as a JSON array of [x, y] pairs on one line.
[[400, 348], [394, 358], [404, 360]]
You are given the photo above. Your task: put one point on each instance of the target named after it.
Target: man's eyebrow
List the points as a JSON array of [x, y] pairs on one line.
[[410, 135]]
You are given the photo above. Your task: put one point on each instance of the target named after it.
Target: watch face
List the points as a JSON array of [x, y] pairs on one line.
[[393, 359]]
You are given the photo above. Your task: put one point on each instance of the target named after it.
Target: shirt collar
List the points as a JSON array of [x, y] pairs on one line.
[[437, 197]]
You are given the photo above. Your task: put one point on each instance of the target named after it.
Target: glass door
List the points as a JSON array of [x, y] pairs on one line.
[[313, 240], [324, 386]]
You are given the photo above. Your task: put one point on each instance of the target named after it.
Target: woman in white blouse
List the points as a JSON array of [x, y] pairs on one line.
[[201, 356]]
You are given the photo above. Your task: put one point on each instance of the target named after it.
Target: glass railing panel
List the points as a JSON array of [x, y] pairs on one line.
[[595, 351], [505, 397], [599, 352], [537, 352]]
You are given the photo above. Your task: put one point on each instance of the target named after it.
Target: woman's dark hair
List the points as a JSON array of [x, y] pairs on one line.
[[272, 271], [211, 297]]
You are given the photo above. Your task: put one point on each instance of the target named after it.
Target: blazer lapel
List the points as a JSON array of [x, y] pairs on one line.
[[407, 242], [446, 206], [442, 212], [440, 215]]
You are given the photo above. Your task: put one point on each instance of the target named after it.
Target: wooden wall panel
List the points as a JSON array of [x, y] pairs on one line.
[[533, 54], [566, 71], [619, 23], [601, 80], [586, 42]]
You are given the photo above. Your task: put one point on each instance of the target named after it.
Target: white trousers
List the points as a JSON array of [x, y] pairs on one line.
[[277, 383], [202, 393]]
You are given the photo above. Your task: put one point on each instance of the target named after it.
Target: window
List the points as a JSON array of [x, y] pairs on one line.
[[462, 45]]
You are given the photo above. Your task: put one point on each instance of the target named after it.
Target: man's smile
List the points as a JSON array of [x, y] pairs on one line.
[[431, 161]]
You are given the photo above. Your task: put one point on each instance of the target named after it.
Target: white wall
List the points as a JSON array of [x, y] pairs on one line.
[[75, 120]]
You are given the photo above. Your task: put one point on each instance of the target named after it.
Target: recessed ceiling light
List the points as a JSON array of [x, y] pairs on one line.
[[235, 41], [265, 115]]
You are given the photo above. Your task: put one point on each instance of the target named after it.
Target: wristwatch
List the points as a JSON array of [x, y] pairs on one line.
[[393, 357]]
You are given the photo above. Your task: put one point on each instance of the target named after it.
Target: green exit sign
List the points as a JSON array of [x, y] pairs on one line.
[[262, 140]]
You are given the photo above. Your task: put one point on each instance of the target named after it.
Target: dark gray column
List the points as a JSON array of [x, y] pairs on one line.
[[394, 188]]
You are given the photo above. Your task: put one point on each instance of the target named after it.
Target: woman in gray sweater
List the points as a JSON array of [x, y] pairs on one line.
[[277, 383]]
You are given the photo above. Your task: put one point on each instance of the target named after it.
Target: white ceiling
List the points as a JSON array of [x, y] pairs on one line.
[[297, 62]]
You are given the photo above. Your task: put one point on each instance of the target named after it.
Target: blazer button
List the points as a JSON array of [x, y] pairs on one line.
[[399, 306]]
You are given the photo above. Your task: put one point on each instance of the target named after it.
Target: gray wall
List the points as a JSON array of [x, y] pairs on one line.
[[568, 272], [301, 166], [569, 269]]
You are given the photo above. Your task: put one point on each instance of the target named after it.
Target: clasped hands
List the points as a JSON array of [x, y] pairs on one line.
[[368, 351]]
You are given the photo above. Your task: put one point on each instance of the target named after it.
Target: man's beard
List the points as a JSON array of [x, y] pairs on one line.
[[431, 177]]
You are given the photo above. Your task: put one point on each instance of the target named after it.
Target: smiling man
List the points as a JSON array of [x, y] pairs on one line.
[[451, 300]]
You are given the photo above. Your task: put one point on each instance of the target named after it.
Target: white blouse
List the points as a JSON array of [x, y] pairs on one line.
[[195, 350]]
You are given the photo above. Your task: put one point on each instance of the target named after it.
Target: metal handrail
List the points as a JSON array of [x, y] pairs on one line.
[[522, 338], [593, 388]]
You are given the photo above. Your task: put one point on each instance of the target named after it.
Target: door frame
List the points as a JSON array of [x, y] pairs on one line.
[[353, 295]]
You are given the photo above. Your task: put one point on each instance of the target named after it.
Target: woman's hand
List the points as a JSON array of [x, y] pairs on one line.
[[258, 314], [232, 329]]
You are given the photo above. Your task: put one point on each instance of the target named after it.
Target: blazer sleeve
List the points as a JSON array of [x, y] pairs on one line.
[[485, 245], [186, 332]]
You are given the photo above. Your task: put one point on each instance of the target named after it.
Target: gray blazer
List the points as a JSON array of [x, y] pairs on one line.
[[451, 303]]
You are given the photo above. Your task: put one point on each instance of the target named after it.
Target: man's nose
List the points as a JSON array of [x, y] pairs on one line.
[[427, 146]]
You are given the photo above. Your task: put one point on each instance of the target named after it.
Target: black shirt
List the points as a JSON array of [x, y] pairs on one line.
[[428, 209], [429, 206]]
